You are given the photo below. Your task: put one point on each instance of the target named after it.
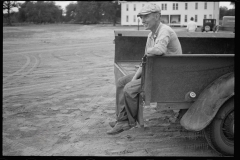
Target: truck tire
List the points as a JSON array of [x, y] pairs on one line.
[[220, 133]]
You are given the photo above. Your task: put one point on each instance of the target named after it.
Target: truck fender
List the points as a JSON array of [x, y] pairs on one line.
[[206, 106]]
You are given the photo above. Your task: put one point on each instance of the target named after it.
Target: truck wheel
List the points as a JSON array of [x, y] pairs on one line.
[[220, 133]]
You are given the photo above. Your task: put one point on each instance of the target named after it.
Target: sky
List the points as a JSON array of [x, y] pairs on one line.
[[63, 4]]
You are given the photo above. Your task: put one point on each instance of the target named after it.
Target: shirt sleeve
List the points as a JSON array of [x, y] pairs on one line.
[[147, 45], [162, 41]]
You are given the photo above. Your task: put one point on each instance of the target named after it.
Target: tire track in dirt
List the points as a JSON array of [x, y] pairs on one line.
[[24, 71], [80, 46], [13, 143], [22, 68], [47, 85]]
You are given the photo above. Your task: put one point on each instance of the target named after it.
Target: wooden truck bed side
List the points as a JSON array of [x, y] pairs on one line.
[[169, 78]]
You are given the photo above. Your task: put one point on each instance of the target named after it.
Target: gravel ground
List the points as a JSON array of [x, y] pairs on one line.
[[59, 95]]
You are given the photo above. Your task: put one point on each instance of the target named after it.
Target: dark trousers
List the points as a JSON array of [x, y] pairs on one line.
[[127, 93]]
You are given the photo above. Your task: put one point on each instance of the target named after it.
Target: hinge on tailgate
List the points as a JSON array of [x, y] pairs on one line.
[[144, 59]]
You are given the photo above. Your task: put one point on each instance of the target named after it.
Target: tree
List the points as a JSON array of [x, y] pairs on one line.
[[233, 4], [96, 11], [8, 5], [88, 11], [40, 12], [71, 11], [224, 11], [111, 10], [22, 12]]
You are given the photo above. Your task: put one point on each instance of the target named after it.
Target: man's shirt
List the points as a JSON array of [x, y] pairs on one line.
[[165, 39], [191, 26]]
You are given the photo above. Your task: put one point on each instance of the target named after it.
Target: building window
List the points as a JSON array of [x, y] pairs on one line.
[[127, 19], [173, 6], [185, 18], [134, 18], [134, 7], [195, 18], [162, 6], [205, 5], [176, 6], [210, 16], [205, 16], [186, 6], [196, 5], [165, 6], [127, 7]]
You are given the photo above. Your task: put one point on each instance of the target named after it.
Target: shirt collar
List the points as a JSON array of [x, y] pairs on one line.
[[156, 32]]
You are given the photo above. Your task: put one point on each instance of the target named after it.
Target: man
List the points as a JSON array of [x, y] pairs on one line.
[[192, 26], [162, 40]]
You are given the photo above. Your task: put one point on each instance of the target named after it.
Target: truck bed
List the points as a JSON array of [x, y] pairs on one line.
[[128, 67]]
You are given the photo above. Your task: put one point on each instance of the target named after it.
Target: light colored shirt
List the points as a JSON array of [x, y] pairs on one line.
[[165, 39], [191, 26]]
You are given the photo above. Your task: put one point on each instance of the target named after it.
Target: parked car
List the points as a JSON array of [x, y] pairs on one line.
[[209, 25]]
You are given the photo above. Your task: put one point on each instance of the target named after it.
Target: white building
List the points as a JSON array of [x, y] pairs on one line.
[[175, 13]]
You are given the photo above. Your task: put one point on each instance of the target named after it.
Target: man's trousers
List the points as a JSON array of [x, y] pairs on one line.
[[127, 94]]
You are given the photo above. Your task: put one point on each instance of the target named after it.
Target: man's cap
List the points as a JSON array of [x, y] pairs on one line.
[[150, 8]]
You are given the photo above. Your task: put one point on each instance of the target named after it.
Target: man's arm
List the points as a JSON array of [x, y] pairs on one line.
[[137, 74], [154, 51], [160, 46]]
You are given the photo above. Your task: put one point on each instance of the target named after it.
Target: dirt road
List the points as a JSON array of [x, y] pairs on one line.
[[59, 95]]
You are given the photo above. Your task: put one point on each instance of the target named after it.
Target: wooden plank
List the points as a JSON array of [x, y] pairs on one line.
[[128, 67], [144, 33]]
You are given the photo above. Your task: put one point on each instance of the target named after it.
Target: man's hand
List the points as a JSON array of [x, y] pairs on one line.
[[134, 78]]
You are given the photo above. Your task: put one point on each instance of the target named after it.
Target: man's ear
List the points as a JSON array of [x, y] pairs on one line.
[[158, 16]]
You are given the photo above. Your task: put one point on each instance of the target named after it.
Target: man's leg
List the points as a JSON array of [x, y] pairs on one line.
[[119, 92], [128, 114], [131, 98]]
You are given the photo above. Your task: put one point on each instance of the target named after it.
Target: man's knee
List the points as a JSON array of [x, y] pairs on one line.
[[120, 82], [129, 89]]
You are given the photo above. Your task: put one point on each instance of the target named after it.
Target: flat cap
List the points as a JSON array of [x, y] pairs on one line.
[[150, 8]]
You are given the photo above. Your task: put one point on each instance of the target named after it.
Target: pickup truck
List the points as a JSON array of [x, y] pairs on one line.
[[199, 82]]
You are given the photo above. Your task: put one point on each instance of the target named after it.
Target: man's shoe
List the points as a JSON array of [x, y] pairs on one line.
[[119, 127], [112, 124]]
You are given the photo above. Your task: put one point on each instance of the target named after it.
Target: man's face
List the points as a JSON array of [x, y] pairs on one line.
[[149, 21]]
